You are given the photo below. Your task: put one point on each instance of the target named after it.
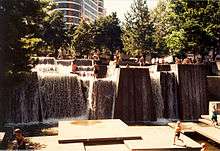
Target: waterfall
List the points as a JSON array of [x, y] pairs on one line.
[[61, 96], [157, 94], [19, 101], [164, 88], [126, 93], [103, 92]]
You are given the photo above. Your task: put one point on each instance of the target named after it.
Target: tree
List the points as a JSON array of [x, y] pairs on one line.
[[83, 38], [107, 33], [138, 30], [192, 26], [54, 33], [27, 26], [159, 21]]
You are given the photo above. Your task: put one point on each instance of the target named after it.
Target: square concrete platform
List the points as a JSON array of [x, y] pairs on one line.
[[94, 131]]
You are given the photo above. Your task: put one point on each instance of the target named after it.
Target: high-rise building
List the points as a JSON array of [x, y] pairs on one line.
[[74, 10], [101, 8]]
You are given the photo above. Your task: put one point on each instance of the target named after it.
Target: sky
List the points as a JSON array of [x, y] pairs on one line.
[[123, 6]]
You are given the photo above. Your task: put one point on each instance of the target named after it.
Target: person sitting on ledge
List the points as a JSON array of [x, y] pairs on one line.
[[178, 130], [178, 61], [74, 67], [96, 69], [187, 61], [19, 143], [117, 58], [214, 117], [142, 61]]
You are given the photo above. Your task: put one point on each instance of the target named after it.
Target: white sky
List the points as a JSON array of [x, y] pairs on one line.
[[122, 6]]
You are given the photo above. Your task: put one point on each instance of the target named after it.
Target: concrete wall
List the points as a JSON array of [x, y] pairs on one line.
[[134, 101], [213, 88], [192, 89]]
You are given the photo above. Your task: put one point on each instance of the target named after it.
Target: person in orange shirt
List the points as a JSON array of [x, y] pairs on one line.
[[178, 130]]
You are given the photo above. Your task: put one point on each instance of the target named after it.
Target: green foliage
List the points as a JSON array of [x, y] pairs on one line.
[[175, 41], [138, 30], [160, 25], [192, 26], [105, 32], [29, 26], [83, 38]]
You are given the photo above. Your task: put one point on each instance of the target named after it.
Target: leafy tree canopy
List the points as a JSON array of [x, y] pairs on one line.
[[138, 30], [29, 26]]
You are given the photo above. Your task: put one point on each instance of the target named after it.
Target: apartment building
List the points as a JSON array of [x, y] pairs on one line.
[[75, 10]]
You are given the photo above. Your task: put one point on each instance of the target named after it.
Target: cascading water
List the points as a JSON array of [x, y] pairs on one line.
[[156, 92], [169, 93], [164, 88], [57, 93], [64, 94], [103, 95], [68, 95], [103, 92], [61, 96], [19, 102]]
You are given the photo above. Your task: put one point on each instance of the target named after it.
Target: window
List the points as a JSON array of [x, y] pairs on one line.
[[92, 10], [71, 13], [73, 20], [91, 4], [76, 1], [69, 5]]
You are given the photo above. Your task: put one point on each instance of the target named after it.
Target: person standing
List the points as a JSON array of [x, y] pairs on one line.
[[96, 70], [142, 61], [117, 58], [178, 130], [214, 116]]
